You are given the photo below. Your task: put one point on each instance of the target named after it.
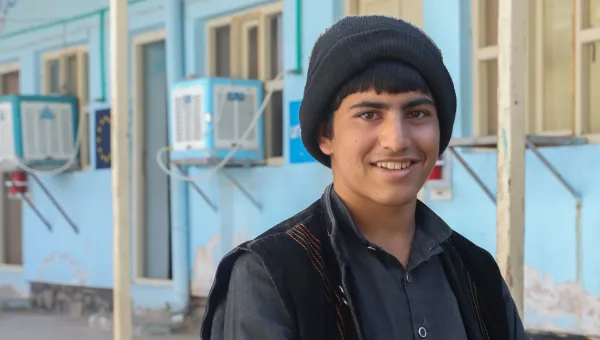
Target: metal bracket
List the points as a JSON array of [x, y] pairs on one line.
[[529, 140], [553, 170], [27, 200], [199, 190], [243, 190], [471, 172], [53, 200]]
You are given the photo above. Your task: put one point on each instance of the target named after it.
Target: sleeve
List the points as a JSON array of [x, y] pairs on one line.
[[252, 309], [515, 325]]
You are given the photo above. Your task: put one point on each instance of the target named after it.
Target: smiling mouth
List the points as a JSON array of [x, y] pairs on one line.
[[394, 165]]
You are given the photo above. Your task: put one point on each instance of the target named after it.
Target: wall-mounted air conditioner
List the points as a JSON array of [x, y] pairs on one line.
[[208, 118], [38, 131]]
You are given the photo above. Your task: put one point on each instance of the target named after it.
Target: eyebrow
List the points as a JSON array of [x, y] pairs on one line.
[[371, 104]]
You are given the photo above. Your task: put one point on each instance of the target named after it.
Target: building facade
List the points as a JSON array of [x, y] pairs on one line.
[[179, 232]]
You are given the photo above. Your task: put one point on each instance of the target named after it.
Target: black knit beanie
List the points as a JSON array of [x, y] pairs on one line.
[[350, 46]]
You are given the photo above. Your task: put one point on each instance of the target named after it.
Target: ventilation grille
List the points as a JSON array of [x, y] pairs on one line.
[[235, 106], [47, 130], [187, 115]]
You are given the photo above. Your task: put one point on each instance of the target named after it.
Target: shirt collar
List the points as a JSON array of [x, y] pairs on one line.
[[427, 222]]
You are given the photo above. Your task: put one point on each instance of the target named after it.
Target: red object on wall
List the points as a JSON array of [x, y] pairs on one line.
[[438, 171], [18, 183]]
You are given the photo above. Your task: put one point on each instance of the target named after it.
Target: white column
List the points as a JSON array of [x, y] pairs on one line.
[[119, 94], [512, 21]]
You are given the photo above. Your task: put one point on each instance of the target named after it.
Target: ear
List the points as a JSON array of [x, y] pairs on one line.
[[325, 143]]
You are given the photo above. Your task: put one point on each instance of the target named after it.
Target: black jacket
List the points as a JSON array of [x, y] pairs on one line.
[[302, 259]]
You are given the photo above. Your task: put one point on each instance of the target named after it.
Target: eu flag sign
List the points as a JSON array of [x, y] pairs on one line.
[[102, 128]]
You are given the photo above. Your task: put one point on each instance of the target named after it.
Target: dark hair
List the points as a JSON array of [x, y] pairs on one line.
[[381, 77]]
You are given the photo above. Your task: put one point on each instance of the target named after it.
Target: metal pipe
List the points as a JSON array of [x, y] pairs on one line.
[[298, 69], [179, 190], [102, 43]]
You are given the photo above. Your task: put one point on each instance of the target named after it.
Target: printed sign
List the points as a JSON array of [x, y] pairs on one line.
[[298, 153]]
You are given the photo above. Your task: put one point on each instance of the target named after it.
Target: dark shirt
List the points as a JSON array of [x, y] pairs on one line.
[[391, 301]]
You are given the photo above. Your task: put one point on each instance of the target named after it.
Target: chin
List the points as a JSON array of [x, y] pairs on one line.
[[395, 197]]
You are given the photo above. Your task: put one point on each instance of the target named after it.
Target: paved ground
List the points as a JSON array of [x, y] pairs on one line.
[[31, 326]]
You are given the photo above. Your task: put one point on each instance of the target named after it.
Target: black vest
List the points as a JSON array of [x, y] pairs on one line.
[[301, 257]]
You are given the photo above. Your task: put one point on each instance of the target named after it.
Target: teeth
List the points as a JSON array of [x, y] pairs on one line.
[[394, 165]]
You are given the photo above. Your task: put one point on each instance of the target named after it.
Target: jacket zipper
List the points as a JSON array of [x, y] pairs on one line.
[[345, 291], [473, 292]]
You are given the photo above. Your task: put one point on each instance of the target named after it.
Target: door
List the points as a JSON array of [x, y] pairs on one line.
[[12, 230], [157, 247]]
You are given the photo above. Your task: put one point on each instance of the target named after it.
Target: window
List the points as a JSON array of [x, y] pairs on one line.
[[249, 45], [485, 63], [587, 74], [65, 72], [560, 78], [9, 79], [411, 10]]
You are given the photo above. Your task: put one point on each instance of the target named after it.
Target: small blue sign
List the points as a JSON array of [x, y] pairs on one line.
[[102, 127], [298, 153]]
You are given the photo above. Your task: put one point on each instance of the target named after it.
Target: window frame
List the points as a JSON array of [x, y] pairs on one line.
[[414, 9], [583, 36], [240, 23], [82, 92], [535, 72]]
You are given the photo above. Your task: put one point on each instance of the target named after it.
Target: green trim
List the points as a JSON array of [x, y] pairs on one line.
[[298, 69], [101, 13], [102, 28]]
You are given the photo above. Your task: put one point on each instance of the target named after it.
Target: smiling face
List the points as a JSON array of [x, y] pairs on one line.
[[383, 145]]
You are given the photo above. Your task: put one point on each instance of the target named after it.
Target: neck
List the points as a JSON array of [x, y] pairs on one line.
[[379, 222]]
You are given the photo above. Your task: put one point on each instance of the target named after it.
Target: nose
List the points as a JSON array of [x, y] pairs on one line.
[[395, 134]]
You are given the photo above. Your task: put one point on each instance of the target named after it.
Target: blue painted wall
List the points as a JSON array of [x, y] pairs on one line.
[[86, 259], [554, 298], [61, 256]]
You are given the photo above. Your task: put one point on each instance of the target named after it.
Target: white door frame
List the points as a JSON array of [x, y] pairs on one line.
[[138, 177]]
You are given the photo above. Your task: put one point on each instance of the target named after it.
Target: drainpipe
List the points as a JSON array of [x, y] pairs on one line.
[[179, 190]]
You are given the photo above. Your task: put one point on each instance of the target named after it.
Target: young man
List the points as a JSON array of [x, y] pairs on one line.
[[367, 260]]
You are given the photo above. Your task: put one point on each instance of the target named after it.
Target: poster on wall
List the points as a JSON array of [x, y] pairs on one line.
[[297, 152], [102, 138]]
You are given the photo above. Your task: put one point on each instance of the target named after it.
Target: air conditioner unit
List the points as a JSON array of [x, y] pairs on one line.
[[208, 118], [38, 131]]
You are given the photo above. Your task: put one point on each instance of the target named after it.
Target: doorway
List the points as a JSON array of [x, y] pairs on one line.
[[11, 225], [151, 184]]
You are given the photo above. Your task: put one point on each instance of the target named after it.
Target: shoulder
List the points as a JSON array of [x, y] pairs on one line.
[[276, 239], [468, 248], [270, 257]]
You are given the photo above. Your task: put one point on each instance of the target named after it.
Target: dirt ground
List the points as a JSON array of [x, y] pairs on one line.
[[36, 326]]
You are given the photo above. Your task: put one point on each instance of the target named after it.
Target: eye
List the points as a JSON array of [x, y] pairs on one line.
[[368, 115], [417, 114]]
